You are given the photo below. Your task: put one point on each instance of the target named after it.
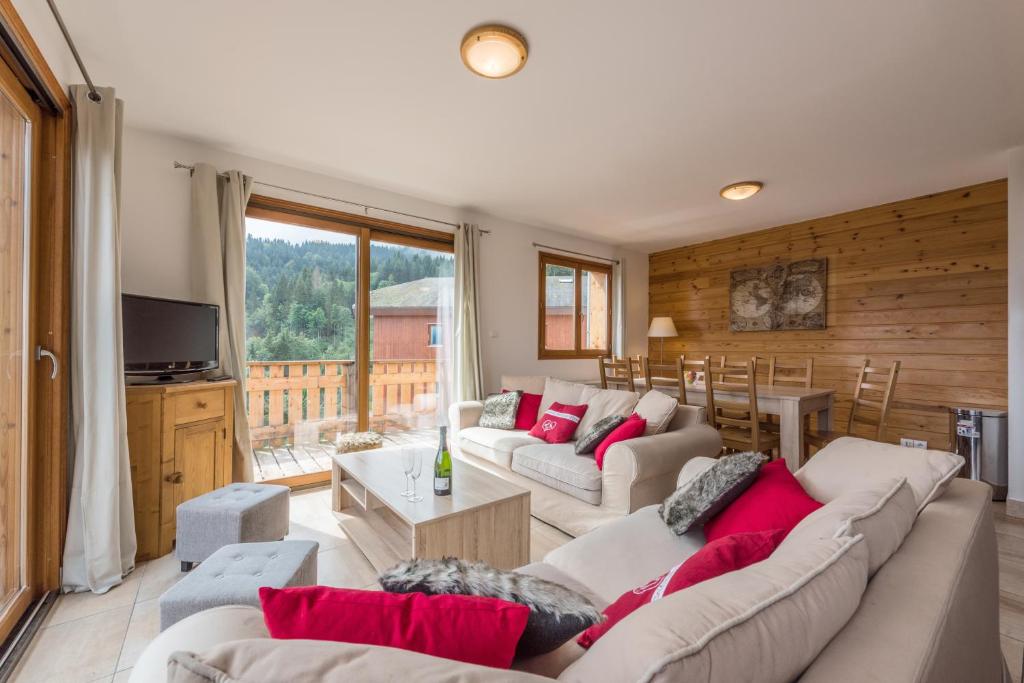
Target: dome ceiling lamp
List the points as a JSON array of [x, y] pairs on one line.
[[741, 190], [494, 51]]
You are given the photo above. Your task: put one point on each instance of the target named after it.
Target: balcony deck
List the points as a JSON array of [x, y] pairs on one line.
[[288, 461]]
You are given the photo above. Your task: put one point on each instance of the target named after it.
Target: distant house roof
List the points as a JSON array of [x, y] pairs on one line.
[[416, 294], [423, 294]]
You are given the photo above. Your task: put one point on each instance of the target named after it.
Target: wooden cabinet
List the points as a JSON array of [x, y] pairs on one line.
[[179, 443]]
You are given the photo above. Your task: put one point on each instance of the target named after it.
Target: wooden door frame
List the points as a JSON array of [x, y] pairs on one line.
[[49, 324]]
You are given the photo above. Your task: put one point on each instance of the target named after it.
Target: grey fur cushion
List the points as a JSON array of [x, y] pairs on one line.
[[556, 613], [500, 410], [710, 492], [601, 429]]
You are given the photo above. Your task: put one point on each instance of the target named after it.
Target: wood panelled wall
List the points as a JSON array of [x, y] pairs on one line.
[[923, 281]]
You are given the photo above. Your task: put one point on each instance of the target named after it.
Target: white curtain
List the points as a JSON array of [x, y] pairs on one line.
[[467, 373], [618, 310], [100, 546], [218, 238]]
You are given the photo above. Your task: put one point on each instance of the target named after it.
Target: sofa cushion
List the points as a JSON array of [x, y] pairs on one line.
[[560, 391], [558, 424], [692, 468], [500, 410], [526, 415], [851, 463], [884, 513], [495, 445], [658, 409], [766, 622], [530, 384], [701, 498], [589, 441], [618, 557], [558, 466], [632, 428], [604, 403]]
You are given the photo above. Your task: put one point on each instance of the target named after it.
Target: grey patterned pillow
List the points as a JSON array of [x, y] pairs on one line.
[[500, 410], [602, 428], [710, 492]]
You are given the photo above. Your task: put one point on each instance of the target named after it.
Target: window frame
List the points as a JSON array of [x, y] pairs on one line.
[[578, 265]]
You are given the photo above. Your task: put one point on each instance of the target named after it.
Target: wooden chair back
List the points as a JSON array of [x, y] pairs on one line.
[[658, 374], [873, 397], [734, 417], [616, 374], [790, 373], [684, 366]]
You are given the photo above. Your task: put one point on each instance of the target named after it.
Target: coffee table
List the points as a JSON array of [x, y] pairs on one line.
[[486, 518]]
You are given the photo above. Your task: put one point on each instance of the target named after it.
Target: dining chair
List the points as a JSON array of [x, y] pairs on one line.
[[658, 374], [616, 374], [731, 394], [683, 368], [788, 374], [872, 402]]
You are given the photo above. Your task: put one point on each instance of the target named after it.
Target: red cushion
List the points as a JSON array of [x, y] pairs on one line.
[[529, 406], [775, 500], [461, 627], [714, 559], [558, 423], [633, 427]]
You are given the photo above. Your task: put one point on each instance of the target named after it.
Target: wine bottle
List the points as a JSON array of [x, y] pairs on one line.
[[443, 467]]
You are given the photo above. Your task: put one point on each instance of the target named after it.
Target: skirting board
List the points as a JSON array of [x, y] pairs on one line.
[[1015, 508]]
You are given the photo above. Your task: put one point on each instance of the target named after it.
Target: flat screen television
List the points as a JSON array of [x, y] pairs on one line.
[[164, 337]]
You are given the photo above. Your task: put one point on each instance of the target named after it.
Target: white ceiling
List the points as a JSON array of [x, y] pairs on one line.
[[624, 124]]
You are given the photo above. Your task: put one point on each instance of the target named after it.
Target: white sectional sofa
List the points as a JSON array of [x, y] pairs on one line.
[[568, 491]]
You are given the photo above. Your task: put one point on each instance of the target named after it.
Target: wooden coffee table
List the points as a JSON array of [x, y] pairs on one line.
[[486, 518]]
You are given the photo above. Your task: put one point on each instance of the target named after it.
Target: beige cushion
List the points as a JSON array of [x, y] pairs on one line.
[[531, 384], [658, 409], [884, 513], [495, 445], [301, 661], [763, 623], [568, 393], [604, 403], [692, 469], [850, 463], [618, 557], [557, 465]]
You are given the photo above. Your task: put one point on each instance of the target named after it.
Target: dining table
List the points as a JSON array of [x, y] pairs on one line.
[[791, 404]]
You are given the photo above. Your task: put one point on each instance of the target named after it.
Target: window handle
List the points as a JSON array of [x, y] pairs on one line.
[[55, 364]]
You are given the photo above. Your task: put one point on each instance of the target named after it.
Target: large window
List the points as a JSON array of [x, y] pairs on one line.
[[346, 323], [575, 308]]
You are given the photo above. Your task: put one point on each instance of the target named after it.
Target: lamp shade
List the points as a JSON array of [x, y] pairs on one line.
[[662, 327]]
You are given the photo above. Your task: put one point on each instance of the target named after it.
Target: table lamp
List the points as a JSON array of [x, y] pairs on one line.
[[662, 327]]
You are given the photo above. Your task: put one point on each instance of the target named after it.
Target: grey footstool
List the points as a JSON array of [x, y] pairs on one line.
[[236, 513], [234, 575]]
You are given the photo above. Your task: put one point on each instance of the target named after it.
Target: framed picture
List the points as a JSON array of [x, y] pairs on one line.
[[782, 296]]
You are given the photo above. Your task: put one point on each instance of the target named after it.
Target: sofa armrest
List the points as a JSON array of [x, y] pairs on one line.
[[640, 472], [688, 416], [462, 415]]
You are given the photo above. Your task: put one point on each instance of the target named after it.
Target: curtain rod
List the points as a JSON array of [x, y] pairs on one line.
[[577, 253], [178, 164], [93, 93]]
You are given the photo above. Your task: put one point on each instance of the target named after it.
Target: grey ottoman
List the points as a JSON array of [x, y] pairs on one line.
[[234, 575], [236, 513]]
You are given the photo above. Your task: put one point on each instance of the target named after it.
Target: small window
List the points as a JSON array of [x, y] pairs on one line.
[[434, 335], [575, 308]]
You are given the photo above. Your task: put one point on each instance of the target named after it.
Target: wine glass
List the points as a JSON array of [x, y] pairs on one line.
[[407, 464], [417, 466]]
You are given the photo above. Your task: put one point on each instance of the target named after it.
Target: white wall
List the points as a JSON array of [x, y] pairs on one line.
[[156, 249], [1015, 332]]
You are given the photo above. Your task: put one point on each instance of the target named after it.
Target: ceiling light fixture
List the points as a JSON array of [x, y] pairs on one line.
[[494, 51], [741, 190]]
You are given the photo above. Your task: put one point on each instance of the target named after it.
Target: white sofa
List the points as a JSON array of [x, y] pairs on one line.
[[929, 614], [567, 490]]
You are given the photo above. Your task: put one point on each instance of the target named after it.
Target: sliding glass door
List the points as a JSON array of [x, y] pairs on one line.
[[348, 330]]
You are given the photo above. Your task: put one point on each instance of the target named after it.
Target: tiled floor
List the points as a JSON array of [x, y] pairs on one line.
[[90, 637], [98, 637]]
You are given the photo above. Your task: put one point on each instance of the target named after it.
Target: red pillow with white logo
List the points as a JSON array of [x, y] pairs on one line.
[[558, 423], [714, 559]]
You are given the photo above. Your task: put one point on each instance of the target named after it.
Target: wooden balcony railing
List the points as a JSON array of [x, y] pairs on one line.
[[305, 401]]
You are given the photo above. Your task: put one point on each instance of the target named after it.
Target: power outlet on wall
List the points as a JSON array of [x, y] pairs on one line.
[[913, 443]]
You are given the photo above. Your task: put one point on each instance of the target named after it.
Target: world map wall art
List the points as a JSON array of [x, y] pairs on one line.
[[782, 296]]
